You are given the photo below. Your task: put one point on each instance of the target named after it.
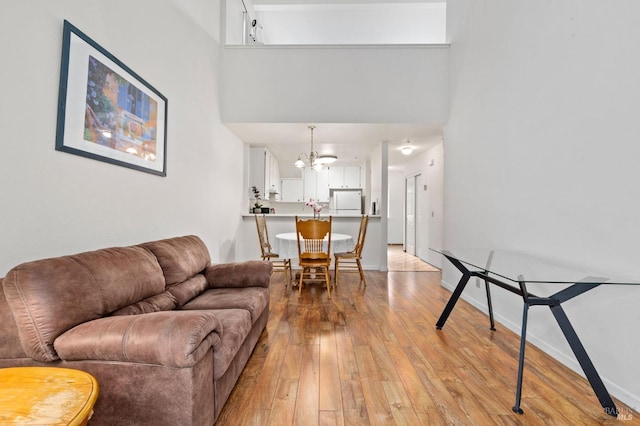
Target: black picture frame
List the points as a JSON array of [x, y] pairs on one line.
[[106, 111]]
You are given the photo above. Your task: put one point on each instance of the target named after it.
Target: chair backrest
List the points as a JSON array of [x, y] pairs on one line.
[[312, 235], [361, 235], [263, 235]]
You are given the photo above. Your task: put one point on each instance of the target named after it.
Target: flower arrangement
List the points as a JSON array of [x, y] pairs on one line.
[[316, 206], [256, 196]]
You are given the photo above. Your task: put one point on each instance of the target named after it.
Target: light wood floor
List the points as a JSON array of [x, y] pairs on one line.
[[399, 260], [373, 357]]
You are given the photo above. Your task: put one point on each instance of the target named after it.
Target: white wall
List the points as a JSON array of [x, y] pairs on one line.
[[54, 203], [234, 23], [335, 84], [542, 157], [396, 207], [375, 177], [362, 23]]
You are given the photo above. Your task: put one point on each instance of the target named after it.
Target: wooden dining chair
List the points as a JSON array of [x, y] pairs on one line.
[[314, 256], [266, 252], [351, 260]]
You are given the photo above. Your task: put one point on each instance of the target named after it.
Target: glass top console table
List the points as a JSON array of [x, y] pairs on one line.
[[518, 273]]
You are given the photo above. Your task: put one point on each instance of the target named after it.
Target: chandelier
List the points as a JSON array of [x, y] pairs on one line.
[[313, 159]]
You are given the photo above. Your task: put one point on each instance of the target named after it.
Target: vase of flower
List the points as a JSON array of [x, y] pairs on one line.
[[257, 206], [316, 207]]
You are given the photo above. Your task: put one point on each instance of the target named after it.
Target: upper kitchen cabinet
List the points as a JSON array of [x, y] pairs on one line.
[[264, 172], [344, 177], [316, 184], [292, 190]]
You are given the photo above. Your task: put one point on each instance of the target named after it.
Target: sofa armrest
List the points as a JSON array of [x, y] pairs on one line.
[[168, 338], [252, 273]]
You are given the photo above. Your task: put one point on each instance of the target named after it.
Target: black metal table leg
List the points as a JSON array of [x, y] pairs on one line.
[[489, 306], [523, 341], [453, 299], [585, 362], [492, 325]]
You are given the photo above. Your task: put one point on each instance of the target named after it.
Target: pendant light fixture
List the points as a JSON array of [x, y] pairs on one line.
[[313, 159]]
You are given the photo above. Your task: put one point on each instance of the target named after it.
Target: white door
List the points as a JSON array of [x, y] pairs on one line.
[[410, 216]]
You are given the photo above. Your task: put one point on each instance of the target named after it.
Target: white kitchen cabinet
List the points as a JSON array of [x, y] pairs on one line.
[[344, 177], [264, 172], [292, 190], [316, 184], [322, 186]]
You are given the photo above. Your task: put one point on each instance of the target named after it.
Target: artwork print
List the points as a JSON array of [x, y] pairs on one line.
[[106, 111]]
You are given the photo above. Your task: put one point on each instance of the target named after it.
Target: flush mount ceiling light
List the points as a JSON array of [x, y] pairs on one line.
[[407, 149], [314, 160], [326, 159]]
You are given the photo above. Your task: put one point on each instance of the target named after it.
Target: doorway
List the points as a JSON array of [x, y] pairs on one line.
[[415, 207], [411, 255]]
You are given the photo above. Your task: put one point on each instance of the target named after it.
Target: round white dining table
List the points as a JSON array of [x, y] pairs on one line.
[[286, 244]]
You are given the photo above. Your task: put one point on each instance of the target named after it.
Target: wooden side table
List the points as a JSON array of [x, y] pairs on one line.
[[46, 396]]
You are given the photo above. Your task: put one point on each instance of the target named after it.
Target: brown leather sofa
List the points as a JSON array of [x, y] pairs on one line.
[[165, 333]]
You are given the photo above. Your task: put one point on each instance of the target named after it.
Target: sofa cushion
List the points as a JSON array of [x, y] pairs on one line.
[[250, 273], [253, 299], [180, 258], [187, 290], [50, 296], [236, 325], [160, 302], [172, 339]]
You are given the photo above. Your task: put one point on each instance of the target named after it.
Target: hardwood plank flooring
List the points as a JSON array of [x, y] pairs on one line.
[[372, 356], [399, 260]]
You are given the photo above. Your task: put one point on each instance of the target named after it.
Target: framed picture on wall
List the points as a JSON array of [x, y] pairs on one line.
[[106, 111]]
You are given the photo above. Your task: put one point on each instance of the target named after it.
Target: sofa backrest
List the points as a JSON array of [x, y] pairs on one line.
[[180, 258], [48, 297]]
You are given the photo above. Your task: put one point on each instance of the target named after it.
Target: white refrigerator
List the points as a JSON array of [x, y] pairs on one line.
[[347, 202]]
